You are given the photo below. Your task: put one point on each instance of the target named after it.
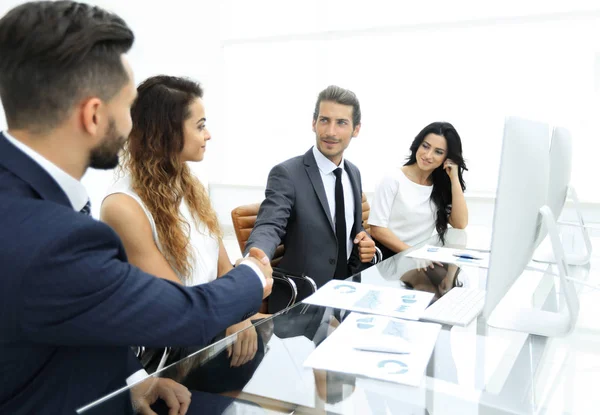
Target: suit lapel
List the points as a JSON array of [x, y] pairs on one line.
[[357, 198], [310, 164], [31, 172]]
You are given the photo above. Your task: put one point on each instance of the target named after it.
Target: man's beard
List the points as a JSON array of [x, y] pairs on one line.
[[106, 155]]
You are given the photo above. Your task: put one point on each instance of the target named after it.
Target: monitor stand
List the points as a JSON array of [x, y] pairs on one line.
[[545, 252], [534, 320]]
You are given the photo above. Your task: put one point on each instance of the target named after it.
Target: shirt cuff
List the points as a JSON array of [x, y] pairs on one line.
[[256, 270], [136, 377]]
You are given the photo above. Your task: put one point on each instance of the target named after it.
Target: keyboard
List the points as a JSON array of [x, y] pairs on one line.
[[458, 307]]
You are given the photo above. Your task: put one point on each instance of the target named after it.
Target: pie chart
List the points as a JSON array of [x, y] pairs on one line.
[[409, 299], [344, 289], [365, 323], [393, 367]]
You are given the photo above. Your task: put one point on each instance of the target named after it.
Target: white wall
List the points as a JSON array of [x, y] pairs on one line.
[[181, 39], [466, 62], [263, 62], [469, 67]]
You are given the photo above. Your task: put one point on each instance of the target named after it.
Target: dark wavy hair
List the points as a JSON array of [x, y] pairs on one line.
[[441, 194], [152, 155]]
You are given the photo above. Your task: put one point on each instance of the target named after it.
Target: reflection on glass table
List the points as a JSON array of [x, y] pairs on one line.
[[472, 370]]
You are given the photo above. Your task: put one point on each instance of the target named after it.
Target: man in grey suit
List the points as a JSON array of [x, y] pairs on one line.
[[313, 202]]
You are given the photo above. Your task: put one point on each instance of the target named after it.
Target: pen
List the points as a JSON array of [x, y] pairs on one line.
[[465, 256], [381, 350]]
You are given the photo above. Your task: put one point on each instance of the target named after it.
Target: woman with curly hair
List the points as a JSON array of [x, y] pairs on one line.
[[161, 211]]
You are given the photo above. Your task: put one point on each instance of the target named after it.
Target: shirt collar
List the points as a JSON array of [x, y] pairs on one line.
[[72, 187], [325, 165]]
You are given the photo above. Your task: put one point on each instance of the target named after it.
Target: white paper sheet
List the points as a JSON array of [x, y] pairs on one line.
[[337, 353], [393, 302], [461, 257]]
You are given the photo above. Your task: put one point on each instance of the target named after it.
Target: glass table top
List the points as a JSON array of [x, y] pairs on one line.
[[474, 369]]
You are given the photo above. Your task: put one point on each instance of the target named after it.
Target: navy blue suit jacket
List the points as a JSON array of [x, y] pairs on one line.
[[71, 305]]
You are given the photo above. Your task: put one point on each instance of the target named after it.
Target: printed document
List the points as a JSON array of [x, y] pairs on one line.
[[373, 299], [461, 257], [354, 348]]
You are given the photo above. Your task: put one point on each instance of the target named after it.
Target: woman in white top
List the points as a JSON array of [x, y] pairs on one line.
[[160, 210], [424, 195]]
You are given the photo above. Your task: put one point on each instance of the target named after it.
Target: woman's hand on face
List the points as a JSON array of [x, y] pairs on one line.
[[451, 169]]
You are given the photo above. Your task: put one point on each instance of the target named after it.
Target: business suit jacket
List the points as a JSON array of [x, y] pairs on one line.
[[71, 305], [295, 212]]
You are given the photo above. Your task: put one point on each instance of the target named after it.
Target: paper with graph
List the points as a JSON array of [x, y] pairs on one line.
[[373, 299], [461, 257], [341, 352]]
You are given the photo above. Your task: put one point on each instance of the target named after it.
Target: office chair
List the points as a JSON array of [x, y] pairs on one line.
[[244, 218]]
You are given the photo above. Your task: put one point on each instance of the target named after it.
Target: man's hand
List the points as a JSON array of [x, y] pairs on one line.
[[245, 347], [366, 247], [257, 256], [176, 396]]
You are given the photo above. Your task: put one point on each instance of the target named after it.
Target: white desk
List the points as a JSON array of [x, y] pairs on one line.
[[473, 370]]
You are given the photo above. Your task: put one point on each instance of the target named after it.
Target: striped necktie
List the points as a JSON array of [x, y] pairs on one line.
[[87, 209]]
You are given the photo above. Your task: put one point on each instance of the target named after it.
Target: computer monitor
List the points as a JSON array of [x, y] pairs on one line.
[[561, 155], [519, 212], [558, 185], [559, 190]]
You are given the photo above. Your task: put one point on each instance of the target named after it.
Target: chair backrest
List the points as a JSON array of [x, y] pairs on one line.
[[244, 217]]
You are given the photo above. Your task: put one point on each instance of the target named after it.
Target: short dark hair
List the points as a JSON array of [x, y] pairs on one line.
[[56, 53], [342, 96]]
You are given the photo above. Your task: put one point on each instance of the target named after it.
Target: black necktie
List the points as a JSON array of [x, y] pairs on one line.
[[341, 268], [87, 209]]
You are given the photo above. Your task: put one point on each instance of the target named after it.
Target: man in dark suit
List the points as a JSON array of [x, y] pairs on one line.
[[70, 304], [313, 202]]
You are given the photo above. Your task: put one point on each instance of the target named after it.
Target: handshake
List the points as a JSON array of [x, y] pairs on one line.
[[260, 259]]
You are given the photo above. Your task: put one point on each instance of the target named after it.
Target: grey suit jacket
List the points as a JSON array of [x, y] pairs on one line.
[[295, 212]]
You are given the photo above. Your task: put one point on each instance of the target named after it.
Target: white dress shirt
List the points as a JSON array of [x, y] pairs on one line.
[[72, 187], [326, 168]]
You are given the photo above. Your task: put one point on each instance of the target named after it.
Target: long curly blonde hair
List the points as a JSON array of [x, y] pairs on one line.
[[152, 156]]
